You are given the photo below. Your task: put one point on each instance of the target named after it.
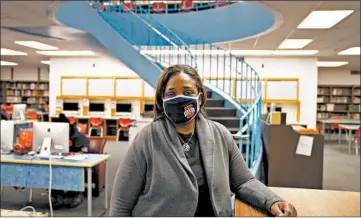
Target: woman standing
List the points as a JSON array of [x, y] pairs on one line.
[[183, 164]]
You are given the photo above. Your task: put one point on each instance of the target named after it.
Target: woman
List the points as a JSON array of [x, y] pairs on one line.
[[183, 164]]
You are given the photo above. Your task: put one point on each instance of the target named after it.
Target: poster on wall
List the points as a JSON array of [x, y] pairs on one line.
[[86, 103]]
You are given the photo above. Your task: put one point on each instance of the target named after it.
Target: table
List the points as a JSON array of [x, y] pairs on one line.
[[16, 213], [32, 171], [334, 121], [311, 202], [349, 129]]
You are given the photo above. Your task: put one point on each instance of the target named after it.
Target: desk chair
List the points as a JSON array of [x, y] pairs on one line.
[[32, 115], [83, 128], [129, 6], [158, 7], [96, 124], [124, 125], [72, 120], [186, 5], [357, 138], [336, 126]]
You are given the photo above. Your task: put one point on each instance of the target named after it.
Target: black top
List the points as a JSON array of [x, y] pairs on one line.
[[194, 158]]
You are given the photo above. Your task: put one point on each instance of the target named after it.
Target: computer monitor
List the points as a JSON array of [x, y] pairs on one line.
[[148, 107], [58, 132], [7, 135], [121, 107], [70, 106], [19, 111], [96, 107]]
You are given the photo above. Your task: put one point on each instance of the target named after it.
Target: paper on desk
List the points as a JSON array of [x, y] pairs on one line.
[[304, 146]]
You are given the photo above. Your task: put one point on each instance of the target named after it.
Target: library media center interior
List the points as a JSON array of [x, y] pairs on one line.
[[217, 106]]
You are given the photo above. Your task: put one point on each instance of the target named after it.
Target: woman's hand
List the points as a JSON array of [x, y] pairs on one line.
[[283, 209]]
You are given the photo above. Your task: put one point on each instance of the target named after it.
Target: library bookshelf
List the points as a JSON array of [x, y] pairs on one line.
[[34, 94], [338, 101]]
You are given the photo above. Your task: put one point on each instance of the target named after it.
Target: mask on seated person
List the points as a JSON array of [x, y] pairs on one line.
[[181, 109]]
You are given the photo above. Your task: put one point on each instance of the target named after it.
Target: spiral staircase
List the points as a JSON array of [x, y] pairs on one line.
[[147, 46]]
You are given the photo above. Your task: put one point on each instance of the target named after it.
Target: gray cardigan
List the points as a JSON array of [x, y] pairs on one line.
[[155, 178]]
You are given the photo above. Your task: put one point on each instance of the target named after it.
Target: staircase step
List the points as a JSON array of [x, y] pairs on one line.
[[229, 122], [214, 102], [233, 130], [221, 112], [209, 94]]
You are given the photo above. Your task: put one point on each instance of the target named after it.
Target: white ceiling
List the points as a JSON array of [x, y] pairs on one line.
[[344, 35], [329, 42]]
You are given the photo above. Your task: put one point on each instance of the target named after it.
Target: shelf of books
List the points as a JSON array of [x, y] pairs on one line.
[[33, 93], [338, 101]]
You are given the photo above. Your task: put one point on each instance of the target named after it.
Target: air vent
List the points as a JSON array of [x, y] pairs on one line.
[[355, 72]]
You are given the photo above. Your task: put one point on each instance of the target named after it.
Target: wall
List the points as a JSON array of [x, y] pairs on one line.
[[337, 77], [87, 67], [24, 74], [303, 68]]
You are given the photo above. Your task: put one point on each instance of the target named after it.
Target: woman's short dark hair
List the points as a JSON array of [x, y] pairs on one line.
[[162, 83]]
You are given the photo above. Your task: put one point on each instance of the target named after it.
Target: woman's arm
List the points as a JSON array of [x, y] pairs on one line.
[[129, 183], [246, 187]]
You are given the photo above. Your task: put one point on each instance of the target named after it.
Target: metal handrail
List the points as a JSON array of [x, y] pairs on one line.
[[147, 5], [168, 40]]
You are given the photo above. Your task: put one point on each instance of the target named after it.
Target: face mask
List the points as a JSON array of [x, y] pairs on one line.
[[181, 109]]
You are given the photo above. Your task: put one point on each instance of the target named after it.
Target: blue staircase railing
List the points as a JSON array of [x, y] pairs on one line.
[[220, 70], [156, 7]]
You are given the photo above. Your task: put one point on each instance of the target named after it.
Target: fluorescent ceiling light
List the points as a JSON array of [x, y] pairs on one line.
[[36, 45], [5, 51], [350, 51], [66, 53], [294, 43], [45, 62], [234, 52], [8, 63], [331, 63], [295, 52], [323, 19]]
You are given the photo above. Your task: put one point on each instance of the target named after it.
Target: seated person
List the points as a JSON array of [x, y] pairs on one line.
[[79, 143]]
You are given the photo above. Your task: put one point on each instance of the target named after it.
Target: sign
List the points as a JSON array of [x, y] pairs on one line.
[[85, 103], [304, 146]]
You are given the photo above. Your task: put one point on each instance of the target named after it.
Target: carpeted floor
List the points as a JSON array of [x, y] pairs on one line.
[[341, 172]]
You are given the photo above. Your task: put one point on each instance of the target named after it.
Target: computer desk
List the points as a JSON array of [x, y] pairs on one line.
[[32, 171], [311, 202]]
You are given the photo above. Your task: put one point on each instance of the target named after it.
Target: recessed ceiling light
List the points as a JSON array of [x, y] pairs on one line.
[[5, 51], [350, 51], [323, 19], [36, 45], [8, 63], [66, 53], [294, 43], [331, 63], [45, 62]]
